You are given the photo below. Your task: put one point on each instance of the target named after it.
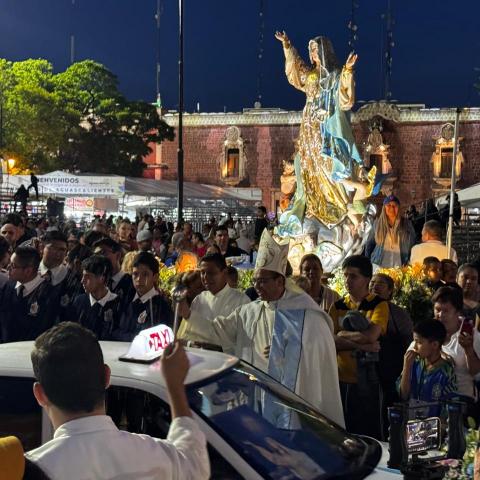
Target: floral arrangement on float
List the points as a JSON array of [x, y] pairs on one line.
[[411, 291], [166, 280], [469, 466], [167, 277], [245, 279]]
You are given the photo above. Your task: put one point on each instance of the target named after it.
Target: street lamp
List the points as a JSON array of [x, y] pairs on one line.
[[10, 165]]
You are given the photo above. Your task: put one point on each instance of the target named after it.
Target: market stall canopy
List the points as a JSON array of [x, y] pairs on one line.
[[168, 189], [470, 197]]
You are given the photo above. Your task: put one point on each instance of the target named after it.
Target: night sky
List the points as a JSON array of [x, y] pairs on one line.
[[437, 46]]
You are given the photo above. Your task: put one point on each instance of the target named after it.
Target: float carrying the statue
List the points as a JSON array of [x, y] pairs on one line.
[[325, 186]]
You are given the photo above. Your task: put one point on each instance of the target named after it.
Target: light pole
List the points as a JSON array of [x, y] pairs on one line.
[[180, 116], [453, 182]]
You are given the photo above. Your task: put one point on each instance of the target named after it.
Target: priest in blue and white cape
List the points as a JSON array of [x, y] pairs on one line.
[[285, 334]]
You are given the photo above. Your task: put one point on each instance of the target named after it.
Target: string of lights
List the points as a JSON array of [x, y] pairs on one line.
[[158, 14], [388, 44], [260, 50], [72, 35], [352, 26]]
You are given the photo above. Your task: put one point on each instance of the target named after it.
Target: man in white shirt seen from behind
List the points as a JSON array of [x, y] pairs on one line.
[[432, 244], [71, 382], [462, 343], [217, 299]]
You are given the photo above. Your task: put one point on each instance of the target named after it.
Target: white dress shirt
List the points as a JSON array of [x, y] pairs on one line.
[[456, 351], [29, 286], [147, 296], [205, 307], [58, 273], [93, 448], [431, 248], [102, 301]]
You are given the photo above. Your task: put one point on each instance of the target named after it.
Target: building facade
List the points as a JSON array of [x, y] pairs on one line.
[[412, 143]]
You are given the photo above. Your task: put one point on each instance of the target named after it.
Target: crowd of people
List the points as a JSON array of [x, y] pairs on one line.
[[350, 356]]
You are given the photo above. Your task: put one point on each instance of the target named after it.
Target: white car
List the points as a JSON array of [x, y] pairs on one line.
[[256, 428]]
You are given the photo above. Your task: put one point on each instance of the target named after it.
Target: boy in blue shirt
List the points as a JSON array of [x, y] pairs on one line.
[[428, 374]]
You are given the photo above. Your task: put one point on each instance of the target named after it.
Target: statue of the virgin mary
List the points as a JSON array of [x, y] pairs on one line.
[[331, 180]]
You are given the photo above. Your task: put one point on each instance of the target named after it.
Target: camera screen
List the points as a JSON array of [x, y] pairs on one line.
[[423, 434]]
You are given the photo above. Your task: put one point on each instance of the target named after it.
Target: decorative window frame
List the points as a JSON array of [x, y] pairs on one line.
[[446, 140], [375, 146], [233, 140]]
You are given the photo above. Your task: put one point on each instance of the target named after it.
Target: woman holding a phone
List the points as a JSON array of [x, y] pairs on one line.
[[463, 340]]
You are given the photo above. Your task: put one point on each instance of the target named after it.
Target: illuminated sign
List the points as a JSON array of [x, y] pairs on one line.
[[80, 203], [65, 184], [149, 344]]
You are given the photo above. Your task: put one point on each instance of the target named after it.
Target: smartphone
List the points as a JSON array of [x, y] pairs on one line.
[[467, 327], [423, 435]]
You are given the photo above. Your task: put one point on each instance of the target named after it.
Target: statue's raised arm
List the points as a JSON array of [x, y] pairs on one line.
[[296, 69], [346, 92]]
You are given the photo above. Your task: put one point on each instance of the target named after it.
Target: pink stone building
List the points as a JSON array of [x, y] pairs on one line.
[[246, 150]]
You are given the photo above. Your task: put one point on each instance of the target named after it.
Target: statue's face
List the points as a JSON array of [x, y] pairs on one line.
[[313, 50], [288, 168]]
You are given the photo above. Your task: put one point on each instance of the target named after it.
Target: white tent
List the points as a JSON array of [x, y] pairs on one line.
[[470, 197]]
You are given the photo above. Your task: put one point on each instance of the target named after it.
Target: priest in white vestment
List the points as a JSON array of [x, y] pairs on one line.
[[285, 333]]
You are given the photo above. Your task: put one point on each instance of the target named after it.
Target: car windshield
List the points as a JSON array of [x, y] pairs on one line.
[[276, 432]]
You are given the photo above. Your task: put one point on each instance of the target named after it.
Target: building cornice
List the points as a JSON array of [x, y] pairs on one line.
[[393, 112], [263, 117]]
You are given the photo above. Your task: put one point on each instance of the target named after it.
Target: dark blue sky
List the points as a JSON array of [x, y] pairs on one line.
[[436, 49]]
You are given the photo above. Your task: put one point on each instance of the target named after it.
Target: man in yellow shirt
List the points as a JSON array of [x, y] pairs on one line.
[[359, 319]]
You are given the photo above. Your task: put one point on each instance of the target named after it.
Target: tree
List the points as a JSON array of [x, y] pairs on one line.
[[30, 126], [74, 120]]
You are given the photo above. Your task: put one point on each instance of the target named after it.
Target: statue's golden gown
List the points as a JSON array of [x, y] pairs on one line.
[[325, 199]]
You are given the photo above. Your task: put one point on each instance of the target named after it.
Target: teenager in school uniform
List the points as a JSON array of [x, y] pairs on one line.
[[120, 282], [28, 307], [64, 281], [98, 309], [5, 252], [149, 307]]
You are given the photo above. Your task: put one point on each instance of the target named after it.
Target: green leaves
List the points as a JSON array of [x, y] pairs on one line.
[[74, 120]]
